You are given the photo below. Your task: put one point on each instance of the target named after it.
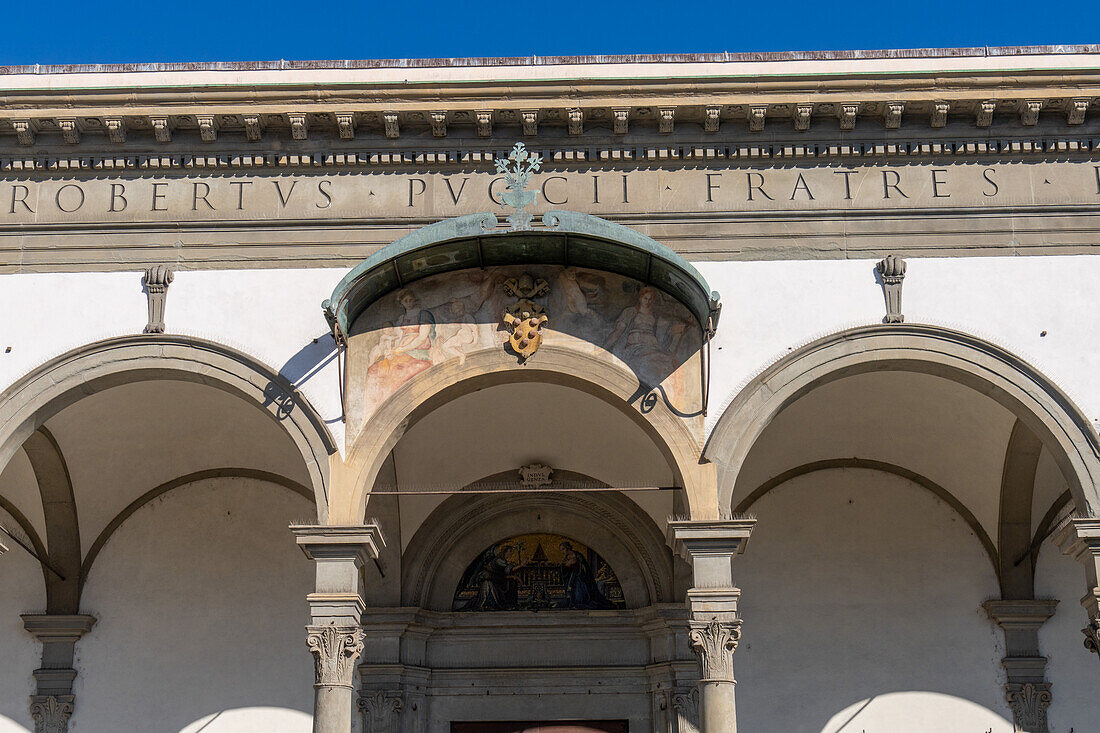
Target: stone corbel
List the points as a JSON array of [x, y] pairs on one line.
[[712, 119], [484, 123], [984, 116], [575, 119], [892, 115], [157, 279], [1029, 112], [253, 128], [24, 132], [299, 125], [1075, 114], [530, 122], [620, 121], [802, 115], [892, 271], [393, 129], [847, 114], [208, 131], [345, 124], [439, 124], [757, 116], [116, 130], [938, 117], [161, 131], [1080, 539], [70, 133], [1026, 689], [666, 119]]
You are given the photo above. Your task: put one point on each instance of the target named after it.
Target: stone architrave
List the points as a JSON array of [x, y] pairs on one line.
[[157, 279], [715, 626]]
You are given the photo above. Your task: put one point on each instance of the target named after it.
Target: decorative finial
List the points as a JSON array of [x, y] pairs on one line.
[[517, 170]]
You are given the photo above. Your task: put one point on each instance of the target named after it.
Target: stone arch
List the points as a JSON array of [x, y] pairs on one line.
[[593, 374], [608, 522], [28, 403], [989, 369]]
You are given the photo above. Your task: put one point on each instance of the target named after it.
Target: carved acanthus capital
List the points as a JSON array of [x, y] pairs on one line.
[[847, 114], [892, 115], [299, 125], [1029, 112], [335, 650], [161, 131], [380, 710], [439, 124], [208, 132], [1092, 635], [686, 704], [253, 128], [1075, 114], [51, 713], [393, 128], [530, 121], [714, 643], [757, 116], [70, 133], [24, 131], [345, 124], [484, 123], [938, 118], [713, 119], [666, 119], [575, 118], [984, 117], [802, 115], [620, 121], [116, 129], [1029, 703]]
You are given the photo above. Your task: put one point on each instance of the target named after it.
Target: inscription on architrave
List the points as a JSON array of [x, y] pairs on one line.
[[608, 191]]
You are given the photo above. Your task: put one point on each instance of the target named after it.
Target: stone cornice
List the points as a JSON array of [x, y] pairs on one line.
[[896, 99]]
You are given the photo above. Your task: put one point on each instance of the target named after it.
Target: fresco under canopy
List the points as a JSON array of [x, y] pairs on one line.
[[446, 317], [533, 572]]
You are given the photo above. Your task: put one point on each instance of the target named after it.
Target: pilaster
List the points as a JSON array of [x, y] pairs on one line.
[[1026, 689], [53, 702], [1080, 539]]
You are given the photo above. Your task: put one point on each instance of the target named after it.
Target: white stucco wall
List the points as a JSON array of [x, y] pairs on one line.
[[200, 597], [769, 308], [1071, 669], [22, 590], [861, 599]]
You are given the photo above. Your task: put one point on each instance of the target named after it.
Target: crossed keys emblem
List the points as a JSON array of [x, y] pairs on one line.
[[526, 318]]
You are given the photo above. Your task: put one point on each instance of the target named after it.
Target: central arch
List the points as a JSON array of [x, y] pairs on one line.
[[989, 369], [600, 377]]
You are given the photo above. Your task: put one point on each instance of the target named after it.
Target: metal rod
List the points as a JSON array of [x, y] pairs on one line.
[[521, 490]]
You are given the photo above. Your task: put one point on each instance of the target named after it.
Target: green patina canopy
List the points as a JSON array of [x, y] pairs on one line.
[[565, 238]]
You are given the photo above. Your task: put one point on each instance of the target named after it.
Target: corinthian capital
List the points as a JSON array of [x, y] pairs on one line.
[[715, 643], [335, 649], [51, 713]]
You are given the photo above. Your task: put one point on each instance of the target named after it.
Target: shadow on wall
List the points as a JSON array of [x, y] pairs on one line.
[[252, 720], [862, 601], [7, 725]]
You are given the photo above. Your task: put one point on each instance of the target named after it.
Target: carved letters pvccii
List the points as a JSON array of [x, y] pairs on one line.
[[335, 649]]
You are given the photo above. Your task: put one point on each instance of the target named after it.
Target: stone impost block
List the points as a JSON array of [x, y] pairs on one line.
[[709, 546]]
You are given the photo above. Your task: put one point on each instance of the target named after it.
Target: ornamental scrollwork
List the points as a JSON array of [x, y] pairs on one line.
[[715, 643], [335, 649], [51, 713], [1029, 703], [1092, 635]]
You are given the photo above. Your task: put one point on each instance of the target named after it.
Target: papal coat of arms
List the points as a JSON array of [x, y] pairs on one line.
[[526, 317]]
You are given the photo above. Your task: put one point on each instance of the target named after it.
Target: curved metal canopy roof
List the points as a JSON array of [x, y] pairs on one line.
[[565, 238]]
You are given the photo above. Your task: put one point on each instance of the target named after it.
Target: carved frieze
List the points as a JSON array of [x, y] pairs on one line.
[[666, 118], [439, 124], [938, 118], [116, 130], [299, 125], [620, 121], [51, 713], [714, 644], [1029, 112], [575, 117], [389, 121], [161, 131], [892, 115], [530, 122], [802, 114], [1075, 113], [253, 129], [484, 121], [208, 133], [70, 133], [985, 114], [335, 650], [24, 132], [345, 125], [847, 114]]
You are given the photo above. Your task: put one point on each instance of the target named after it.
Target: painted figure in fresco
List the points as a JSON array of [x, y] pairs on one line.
[[404, 348], [645, 340], [581, 590], [458, 335], [495, 579]]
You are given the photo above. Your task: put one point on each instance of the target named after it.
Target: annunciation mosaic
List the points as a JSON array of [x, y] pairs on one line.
[[533, 572]]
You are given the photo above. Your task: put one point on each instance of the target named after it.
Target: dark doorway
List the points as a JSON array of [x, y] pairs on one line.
[[552, 726]]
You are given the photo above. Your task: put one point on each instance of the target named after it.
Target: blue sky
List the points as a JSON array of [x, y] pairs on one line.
[[100, 31]]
